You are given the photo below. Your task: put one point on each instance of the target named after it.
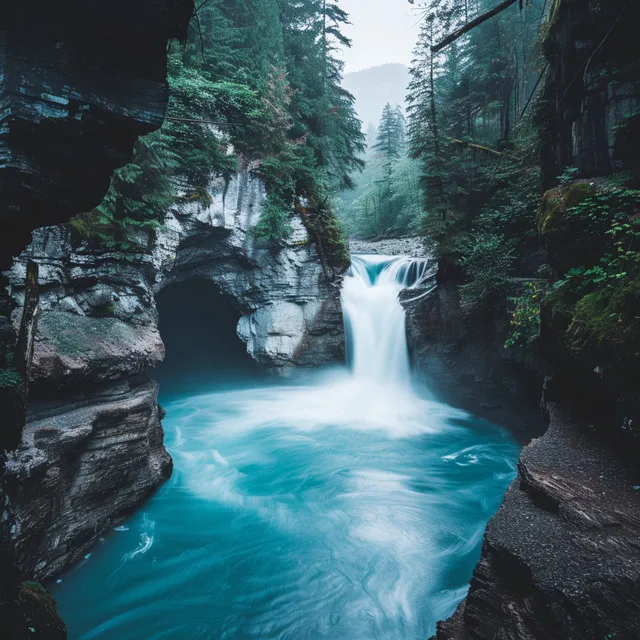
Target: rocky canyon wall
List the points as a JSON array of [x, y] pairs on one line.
[[560, 559], [79, 82], [92, 446]]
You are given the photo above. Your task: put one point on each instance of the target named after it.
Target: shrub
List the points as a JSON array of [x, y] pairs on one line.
[[525, 317]]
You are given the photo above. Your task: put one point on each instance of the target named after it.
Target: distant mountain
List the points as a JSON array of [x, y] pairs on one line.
[[374, 87]]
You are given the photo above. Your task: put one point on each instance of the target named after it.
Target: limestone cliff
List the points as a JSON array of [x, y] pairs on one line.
[[96, 430]]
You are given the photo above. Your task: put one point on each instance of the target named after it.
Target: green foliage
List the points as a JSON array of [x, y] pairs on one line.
[[568, 175], [489, 240], [262, 79], [390, 140], [285, 177], [387, 198], [486, 258], [275, 220], [608, 210], [323, 112], [602, 300], [552, 214], [329, 234], [525, 317], [477, 154], [473, 127], [606, 321]]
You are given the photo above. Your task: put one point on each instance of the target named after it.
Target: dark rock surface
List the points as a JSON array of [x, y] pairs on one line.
[[94, 456], [81, 81], [561, 559], [463, 360], [40, 615], [80, 469], [592, 87]]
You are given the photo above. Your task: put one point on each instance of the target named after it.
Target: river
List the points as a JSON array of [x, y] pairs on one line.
[[348, 506]]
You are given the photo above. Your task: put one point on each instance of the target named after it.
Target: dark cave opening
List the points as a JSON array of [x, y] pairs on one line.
[[203, 351]]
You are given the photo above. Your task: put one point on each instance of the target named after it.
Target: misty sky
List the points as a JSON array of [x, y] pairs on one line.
[[382, 31]]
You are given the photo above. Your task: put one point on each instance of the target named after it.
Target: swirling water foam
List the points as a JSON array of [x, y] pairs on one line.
[[351, 507]]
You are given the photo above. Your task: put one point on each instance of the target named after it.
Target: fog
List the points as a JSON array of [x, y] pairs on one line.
[[382, 31]]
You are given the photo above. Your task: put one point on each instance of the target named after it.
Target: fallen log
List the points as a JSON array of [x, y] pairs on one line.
[[452, 37], [472, 145]]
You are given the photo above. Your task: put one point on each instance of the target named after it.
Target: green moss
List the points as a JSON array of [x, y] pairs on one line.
[[85, 226], [35, 587], [553, 215], [105, 310], [39, 611], [336, 245], [578, 192], [607, 320], [10, 378], [327, 233], [86, 338]]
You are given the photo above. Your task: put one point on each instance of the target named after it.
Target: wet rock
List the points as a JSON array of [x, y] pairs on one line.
[[40, 614], [592, 86], [83, 465], [94, 456], [80, 82], [462, 358], [98, 319], [411, 247], [561, 559]]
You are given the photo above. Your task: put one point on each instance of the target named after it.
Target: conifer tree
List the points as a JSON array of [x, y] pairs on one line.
[[263, 77], [390, 141]]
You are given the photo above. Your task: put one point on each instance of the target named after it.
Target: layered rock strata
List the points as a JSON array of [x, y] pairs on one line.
[[91, 456], [79, 82]]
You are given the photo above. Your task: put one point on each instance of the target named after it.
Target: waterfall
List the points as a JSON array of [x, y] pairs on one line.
[[350, 507], [375, 321]]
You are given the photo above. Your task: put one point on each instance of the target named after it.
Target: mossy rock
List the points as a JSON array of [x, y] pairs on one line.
[[10, 378], [553, 215], [40, 614], [607, 322]]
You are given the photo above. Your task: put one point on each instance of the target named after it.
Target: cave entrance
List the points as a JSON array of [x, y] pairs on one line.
[[198, 326]]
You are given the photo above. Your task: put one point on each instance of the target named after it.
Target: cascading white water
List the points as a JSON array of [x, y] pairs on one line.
[[374, 318]]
